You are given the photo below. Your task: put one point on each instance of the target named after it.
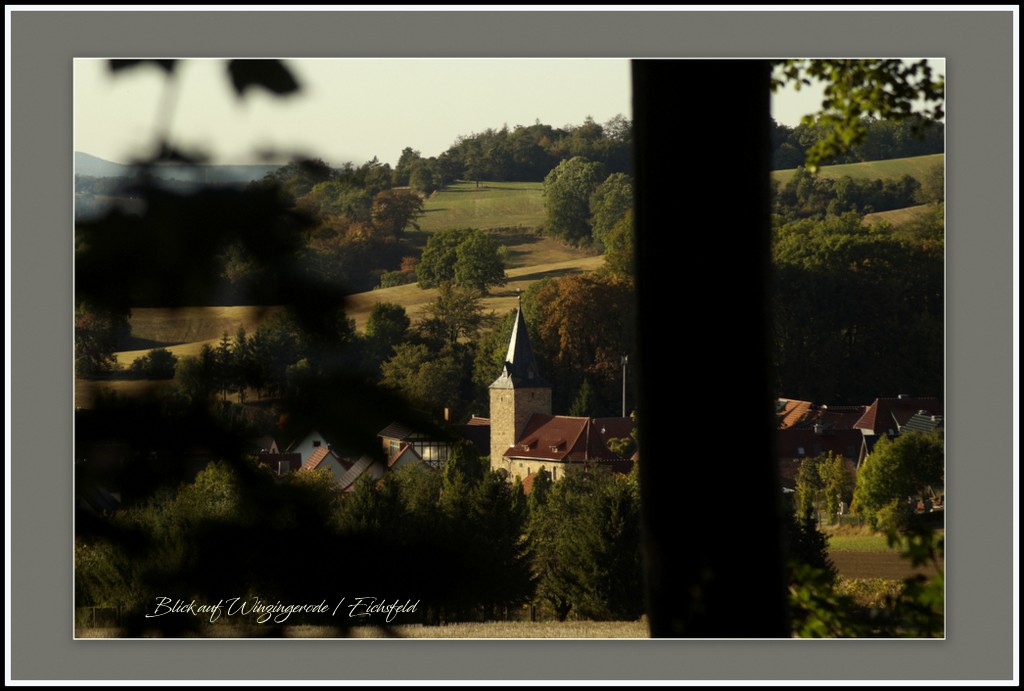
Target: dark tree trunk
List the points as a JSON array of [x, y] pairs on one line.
[[708, 476]]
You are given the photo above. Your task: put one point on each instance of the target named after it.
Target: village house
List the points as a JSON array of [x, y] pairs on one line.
[[888, 416], [806, 430]]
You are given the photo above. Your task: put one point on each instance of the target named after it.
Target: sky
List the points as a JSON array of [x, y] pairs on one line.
[[351, 110]]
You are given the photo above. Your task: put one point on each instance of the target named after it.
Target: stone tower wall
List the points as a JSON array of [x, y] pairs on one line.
[[510, 411]]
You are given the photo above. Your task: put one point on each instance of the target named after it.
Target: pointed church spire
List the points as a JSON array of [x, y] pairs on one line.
[[520, 369]]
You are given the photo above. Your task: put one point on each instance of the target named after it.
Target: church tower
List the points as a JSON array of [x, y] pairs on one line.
[[517, 394]]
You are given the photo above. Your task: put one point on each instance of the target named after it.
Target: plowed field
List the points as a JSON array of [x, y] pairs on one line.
[[889, 565]]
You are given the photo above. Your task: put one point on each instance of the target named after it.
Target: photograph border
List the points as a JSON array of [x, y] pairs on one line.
[[980, 400]]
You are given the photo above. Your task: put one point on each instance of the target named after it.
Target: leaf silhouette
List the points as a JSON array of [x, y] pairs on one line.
[[118, 65], [270, 74]]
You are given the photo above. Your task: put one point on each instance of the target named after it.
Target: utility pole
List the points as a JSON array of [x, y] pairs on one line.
[[625, 361]]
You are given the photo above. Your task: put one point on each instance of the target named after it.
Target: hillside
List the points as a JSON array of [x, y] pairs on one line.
[[899, 217], [492, 205], [93, 166], [184, 331], [916, 166]]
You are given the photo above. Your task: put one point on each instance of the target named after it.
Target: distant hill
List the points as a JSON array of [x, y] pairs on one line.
[[915, 166], [93, 166]]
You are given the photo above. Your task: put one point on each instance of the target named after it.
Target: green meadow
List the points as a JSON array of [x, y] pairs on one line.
[[915, 166]]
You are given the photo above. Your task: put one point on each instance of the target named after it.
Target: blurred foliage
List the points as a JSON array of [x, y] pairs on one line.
[[885, 89]]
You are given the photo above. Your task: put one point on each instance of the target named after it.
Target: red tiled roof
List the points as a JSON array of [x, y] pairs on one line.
[[315, 458], [479, 421], [792, 412], [528, 483], [830, 417], [892, 413], [839, 417], [568, 439], [363, 466]]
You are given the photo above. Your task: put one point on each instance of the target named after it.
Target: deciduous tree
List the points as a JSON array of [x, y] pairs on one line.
[[821, 484], [386, 327], [567, 191], [609, 204], [394, 210], [428, 379], [455, 314], [582, 325], [897, 471], [466, 257], [478, 262]]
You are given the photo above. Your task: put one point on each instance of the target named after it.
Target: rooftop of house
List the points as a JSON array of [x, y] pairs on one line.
[[318, 457], [570, 439], [365, 466], [791, 412], [889, 415], [396, 430], [796, 414], [404, 455], [923, 422]]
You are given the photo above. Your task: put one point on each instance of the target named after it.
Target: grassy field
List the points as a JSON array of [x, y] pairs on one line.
[[915, 166], [858, 543], [186, 324], [502, 629], [184, 331], [501, 299], [492, 205], [514, 209], [899, 217]]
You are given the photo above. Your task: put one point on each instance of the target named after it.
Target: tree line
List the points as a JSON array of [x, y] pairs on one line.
[[812, 196], [464, 542], [884, 139], [857, 309]]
